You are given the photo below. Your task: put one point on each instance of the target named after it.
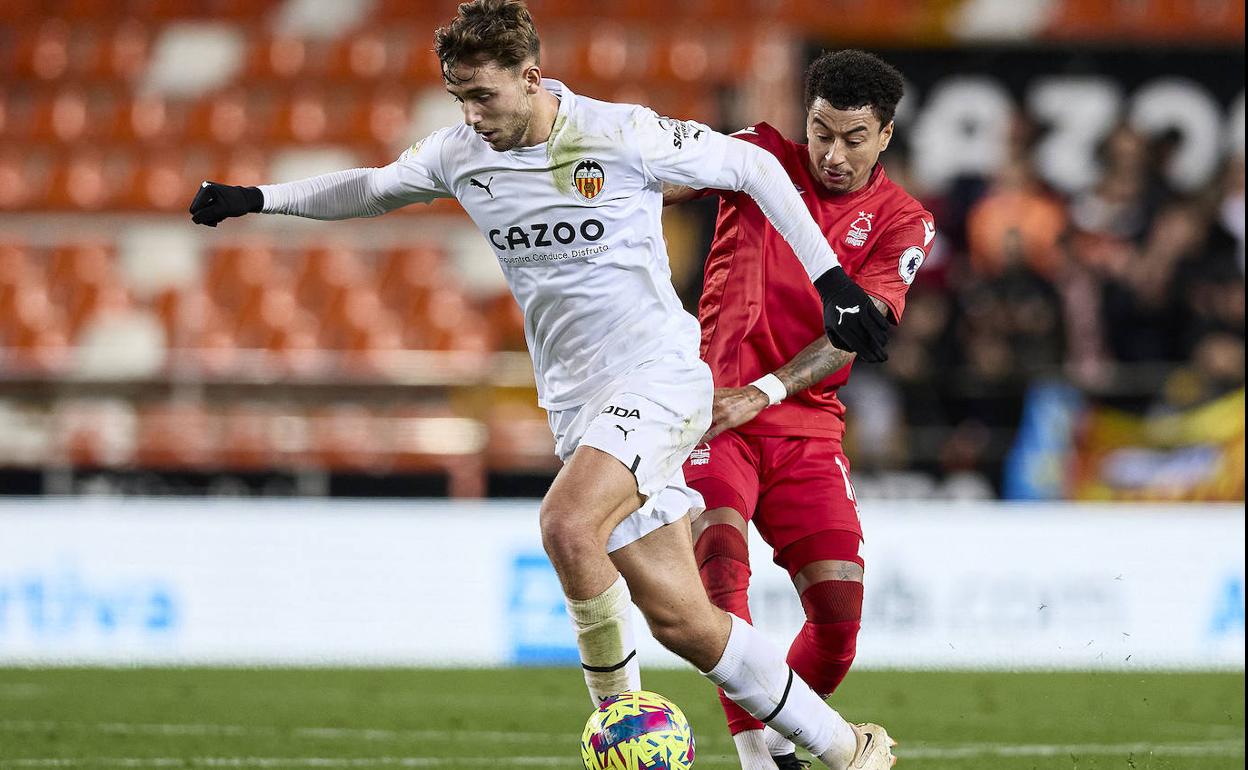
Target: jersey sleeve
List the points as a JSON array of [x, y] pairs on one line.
[[895, 261], [417, 176], [761, 135], [682, 152]]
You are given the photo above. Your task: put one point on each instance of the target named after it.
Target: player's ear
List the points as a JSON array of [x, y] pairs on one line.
[[532, 76], [886, 136]]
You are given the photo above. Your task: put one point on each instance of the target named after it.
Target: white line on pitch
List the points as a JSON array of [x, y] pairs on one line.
[[1202, 748], [333, 733]]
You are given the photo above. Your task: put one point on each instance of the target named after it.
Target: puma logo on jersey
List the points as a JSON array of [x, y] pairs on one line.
[[625, 431], [486, 186], [620, 411], [843, 311]]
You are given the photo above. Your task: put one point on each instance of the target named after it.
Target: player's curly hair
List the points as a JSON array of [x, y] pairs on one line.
[[500, 31], [851, 79]]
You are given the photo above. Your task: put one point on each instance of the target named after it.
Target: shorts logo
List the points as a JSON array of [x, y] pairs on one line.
[[620, 411], [701, 455], [859, 229], [589, 178]]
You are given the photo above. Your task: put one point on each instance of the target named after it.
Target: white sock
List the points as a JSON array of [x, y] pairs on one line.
[[754, 675], [777, 744], [604, 635], [752, 751]]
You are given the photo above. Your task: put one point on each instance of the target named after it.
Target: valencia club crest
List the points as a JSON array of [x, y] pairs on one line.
[[589, 178]]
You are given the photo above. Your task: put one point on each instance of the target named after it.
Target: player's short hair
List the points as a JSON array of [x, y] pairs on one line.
[[851, 79], [500, 31]]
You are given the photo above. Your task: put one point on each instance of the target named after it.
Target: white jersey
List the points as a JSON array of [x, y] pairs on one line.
[[575, 224]]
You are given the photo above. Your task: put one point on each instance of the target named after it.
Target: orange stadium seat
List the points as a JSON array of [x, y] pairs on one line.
[[127, 51], [42, 53], [150, 119], [165, 180], [348, 436], [246, 436], [383, 118], [37, 335], [90, 180], [323, 273], [16, 272], [177, 435], [24, 180], [243, 165], [408, 275], [228, 117], [233, 269], [276, 57], [366, 56]]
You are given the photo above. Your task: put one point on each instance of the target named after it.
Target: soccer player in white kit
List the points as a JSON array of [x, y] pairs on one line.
[[568, 192]]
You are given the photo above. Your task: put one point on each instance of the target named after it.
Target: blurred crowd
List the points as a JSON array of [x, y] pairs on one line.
[[1130, 290]]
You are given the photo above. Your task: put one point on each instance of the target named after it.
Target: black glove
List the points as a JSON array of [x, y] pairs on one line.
[[215, 202], [850, 318]]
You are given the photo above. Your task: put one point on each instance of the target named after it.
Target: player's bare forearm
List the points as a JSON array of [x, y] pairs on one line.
[[733, 407], [675, 193], [816, 361]]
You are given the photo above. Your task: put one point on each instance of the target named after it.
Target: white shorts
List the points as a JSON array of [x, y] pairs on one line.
[[650, 421]]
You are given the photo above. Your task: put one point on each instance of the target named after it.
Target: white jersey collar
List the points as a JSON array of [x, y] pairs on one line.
[[566, 98]]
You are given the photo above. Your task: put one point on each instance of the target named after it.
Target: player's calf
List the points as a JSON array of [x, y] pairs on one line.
[[723, 558]]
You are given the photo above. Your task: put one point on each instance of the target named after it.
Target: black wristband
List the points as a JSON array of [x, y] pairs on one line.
[[254, 199], [830, 281]]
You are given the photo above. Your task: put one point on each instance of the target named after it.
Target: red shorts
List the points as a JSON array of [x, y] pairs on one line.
[[790, 487]]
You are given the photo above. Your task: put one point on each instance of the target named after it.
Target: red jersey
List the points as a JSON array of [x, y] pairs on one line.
[[759, 309]]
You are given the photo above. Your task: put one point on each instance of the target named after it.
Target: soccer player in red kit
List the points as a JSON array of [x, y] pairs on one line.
[[773, 453]]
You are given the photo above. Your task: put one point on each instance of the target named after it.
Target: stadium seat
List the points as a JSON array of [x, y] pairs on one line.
[[247, 441], [177, 435], [94, 433], [127, 51], [23, 180], [89, 181], [348, 437], [406, 276], [42, 53]]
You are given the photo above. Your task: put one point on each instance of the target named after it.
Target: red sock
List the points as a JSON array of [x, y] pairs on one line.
[[724, 564], [824, 649]]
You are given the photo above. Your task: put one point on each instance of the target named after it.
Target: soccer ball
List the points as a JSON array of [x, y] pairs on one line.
[[637, 731]]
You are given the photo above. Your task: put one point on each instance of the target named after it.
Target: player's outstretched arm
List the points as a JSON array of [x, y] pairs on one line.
[[359, 192], [818, 360]]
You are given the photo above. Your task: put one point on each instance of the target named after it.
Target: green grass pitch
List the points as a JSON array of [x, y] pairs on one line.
[[517, 718]]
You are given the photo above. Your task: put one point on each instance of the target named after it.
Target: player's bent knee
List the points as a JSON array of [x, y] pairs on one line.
[[565, 537], [715, 517], [833, 601]]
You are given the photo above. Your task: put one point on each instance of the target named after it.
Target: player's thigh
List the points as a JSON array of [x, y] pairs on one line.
[[806, 490], [593, 489], [725, 473], [663, 578]]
